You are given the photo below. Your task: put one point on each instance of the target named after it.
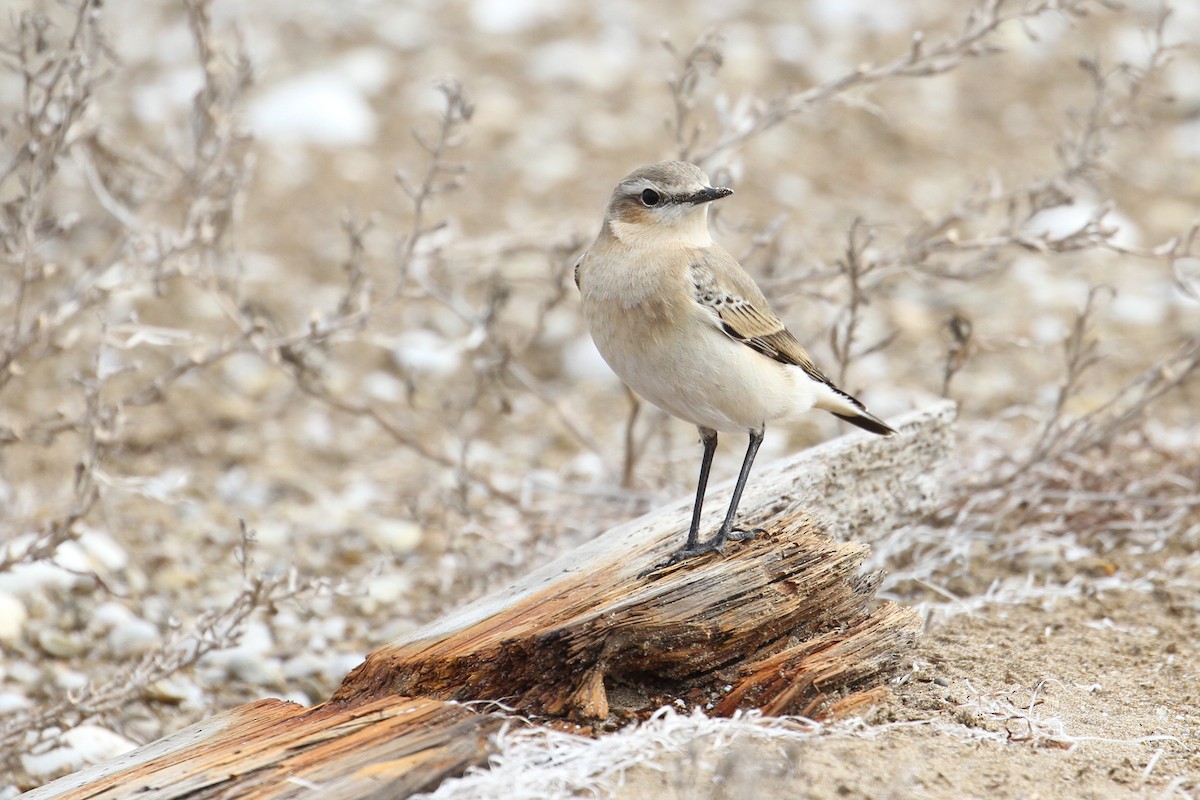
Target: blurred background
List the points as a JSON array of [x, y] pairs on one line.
[[293, 359]]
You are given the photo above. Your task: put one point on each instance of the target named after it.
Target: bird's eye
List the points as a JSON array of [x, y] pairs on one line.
[[650, 198]]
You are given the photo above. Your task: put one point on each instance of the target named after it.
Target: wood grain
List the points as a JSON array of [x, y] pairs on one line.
[[273, 749]]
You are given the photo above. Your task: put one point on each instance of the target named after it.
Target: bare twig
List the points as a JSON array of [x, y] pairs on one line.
[[856, 267], [703, 57], [922, 60], [959, 350]]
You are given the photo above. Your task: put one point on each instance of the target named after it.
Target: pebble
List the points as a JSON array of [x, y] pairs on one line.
[[387, 589], [500, 17], [177, 691], [111, 613], [587, 467], [61, 644], [256, 638], [332, 628], [272, 533], [303, 664], [427, 353], [1187, 138], [581, 361], [1062, 221], [249, 660], [319, 108], [236, 487], [73, 558], [317, 428], [397, 535], [133, 637], [249, 375], [71, 680], [296, 696], [12, 701], [256, 669], [86, 744], [13, 617], [383, 386], [368, 68], [24, 580], [1145, 305], [340, 665], [21, 672]]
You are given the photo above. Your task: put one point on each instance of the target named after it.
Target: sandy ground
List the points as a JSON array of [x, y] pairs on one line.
[[463, 430], [1080, 697]]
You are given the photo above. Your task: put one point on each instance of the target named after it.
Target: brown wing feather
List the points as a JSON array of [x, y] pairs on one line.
[[744, 313], [780, 345]]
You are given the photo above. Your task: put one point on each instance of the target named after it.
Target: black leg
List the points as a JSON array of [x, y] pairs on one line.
[[694, 547], [709, 438], [727, 530]]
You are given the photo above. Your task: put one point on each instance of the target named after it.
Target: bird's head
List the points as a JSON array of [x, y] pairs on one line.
[[663, 201]]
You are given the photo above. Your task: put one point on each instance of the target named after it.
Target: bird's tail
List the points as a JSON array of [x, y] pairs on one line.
[[867, 421], [851, 409]]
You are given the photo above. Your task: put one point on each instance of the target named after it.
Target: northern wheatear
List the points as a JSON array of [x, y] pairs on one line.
[[680, 322]]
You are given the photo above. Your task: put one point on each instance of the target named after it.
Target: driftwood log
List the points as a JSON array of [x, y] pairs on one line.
[[784, 622]]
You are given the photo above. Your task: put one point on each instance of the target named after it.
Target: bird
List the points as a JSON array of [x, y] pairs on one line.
[[684, 326]]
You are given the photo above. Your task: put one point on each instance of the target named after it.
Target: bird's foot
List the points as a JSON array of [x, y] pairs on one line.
[[717, 543], [714, 545], [742, 534]]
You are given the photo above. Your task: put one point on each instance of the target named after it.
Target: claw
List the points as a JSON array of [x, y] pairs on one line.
[[742, 534]]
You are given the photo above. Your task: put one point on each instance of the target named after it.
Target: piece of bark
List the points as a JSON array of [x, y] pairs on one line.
[[784, 622]]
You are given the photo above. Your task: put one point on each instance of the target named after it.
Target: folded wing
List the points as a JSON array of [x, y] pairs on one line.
[[739, 308]]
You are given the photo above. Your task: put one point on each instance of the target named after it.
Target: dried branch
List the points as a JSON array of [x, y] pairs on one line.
[[921, 61], [857, 268], [959, 351], [702, 58]]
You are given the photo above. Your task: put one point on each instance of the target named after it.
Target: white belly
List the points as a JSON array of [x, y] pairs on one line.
[[707, 378]]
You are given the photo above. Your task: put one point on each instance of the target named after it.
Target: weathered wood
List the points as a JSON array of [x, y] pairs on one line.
[[555, 651], [393, 747], [785, 621], [602, 616]]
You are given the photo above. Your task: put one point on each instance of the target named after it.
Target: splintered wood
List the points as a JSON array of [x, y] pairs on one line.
[[783, 617], [785, 622]]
